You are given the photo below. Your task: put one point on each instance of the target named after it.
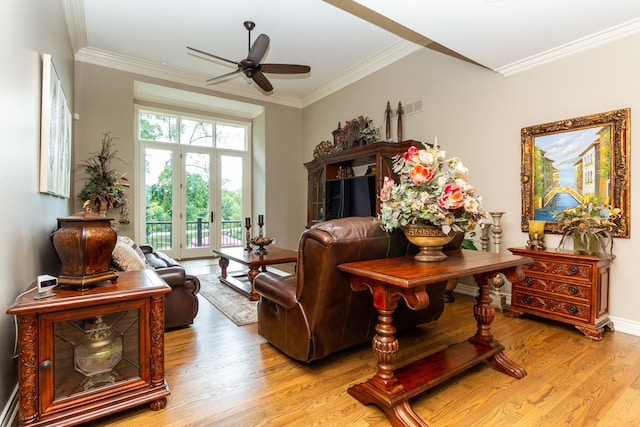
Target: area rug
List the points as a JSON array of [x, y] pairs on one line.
[[232, 304]]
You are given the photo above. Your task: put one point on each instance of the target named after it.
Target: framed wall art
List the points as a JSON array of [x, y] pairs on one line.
[[55, 134], [564, 161]]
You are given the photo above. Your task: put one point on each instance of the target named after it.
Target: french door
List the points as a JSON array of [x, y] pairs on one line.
[[195, 188]]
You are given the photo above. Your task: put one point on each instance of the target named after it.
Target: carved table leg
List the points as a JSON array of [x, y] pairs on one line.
[[383, 389], [253, 295], [223, 263], [484, 313]]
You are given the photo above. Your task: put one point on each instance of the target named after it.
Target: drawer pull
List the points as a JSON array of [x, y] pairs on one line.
[[527, 299], [528, 281], [573, 290], [572, 309], [573, 270], [528, 265]]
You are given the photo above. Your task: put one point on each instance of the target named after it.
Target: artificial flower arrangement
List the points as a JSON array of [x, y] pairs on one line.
[[105, 186], [431, 191], [589, 224]]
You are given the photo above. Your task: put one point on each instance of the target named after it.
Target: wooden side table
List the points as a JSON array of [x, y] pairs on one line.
[[389, 280], [86, 354], [563, 286]]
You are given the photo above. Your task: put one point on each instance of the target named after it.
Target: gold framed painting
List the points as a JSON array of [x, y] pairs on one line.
[[564, 161]]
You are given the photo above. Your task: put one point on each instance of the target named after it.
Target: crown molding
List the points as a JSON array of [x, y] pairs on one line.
[[151, 69], [582, 44], [75, 20], [365, 68]]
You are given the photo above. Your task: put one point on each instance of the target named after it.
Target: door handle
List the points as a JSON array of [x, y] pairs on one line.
[[212, 216]]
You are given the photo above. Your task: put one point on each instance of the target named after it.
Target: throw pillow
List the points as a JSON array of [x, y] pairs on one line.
[[126, 259], [129, 241]]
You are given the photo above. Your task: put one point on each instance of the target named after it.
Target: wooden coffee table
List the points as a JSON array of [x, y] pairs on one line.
[[274, 255]]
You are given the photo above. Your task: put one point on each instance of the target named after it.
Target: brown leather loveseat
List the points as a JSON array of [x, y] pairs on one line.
[[314, 313], [181, 304]]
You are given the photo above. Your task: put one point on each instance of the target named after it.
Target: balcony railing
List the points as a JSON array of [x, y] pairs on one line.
[[159, 233]]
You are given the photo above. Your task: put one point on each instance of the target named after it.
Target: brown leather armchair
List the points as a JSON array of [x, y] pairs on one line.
[[314, 313]]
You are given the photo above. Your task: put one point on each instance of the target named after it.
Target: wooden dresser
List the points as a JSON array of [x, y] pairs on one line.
[[562, 286]]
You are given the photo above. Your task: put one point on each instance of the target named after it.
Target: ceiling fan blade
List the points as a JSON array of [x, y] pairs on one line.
[[262, 81], [285, 68], [212, 55], [224, 76], [259, 48]]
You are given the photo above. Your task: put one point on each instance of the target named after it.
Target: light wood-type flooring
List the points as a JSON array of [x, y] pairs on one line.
[[224, 375]]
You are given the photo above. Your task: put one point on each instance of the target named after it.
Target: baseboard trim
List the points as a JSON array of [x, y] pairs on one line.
[[10, 411]]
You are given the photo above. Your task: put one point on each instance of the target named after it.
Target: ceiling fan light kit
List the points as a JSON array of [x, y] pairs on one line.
[[251, 66]]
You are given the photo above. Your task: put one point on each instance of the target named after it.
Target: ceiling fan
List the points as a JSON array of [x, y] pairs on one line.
[[251, 65]]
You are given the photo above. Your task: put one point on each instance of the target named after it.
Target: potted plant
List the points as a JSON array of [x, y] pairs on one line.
[[432, 199], [590, 226], [105, 186]]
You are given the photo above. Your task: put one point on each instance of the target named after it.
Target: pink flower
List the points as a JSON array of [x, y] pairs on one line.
[[408, 155], [420, 174], [451, 197], [385, 191]]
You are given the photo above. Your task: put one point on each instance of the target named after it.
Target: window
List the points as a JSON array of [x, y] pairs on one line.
[[195, 182]]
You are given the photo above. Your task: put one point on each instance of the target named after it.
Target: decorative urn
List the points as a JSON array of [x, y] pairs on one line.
[[84, 242]]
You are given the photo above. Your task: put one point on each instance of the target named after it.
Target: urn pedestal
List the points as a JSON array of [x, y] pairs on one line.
[[84, 243]]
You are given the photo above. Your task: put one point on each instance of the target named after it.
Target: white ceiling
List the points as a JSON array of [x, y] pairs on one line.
[[341, 40]]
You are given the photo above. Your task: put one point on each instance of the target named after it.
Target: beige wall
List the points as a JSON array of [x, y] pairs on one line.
[[477, 115], [28, 28], [105, 102]]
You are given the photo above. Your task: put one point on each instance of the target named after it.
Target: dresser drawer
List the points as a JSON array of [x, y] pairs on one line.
[[580, 291], [574, 270], [548, 305]]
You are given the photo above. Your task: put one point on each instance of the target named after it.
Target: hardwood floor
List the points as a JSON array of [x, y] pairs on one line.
[[224, 375]]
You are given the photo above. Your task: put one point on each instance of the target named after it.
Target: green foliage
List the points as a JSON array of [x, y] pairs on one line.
[[160, 198], [468, 244]]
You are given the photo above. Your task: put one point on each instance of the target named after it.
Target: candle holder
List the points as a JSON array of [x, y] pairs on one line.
[[484, 238], [247, 225], [260, 240], [536, 235], [497, 230]]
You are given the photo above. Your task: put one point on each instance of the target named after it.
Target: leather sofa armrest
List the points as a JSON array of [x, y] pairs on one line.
[[279, 289], [192, 284], [174, 276]]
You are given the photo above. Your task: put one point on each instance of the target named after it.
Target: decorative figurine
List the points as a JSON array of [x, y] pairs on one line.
[[400, 112], [387, 119]]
